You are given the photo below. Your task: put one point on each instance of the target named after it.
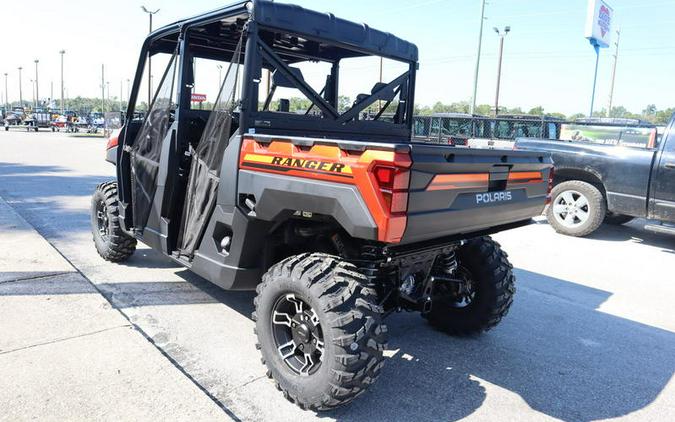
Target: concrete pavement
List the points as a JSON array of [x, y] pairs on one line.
[[590, 335], [66, 354]]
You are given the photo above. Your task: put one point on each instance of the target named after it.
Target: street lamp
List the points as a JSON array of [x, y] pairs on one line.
[[502, 35], [20, 90], [150, 14], [37, 85], [220, 74], [62, 52]]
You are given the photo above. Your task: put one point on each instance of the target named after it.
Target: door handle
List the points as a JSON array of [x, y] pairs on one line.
[[670, 166]]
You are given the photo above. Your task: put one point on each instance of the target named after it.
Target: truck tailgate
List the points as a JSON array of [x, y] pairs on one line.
[[458, 190]]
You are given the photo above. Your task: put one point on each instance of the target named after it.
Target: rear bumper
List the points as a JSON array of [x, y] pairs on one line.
[[472, 222]]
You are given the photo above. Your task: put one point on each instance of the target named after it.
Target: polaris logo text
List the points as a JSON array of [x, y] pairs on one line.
[[488, 198]]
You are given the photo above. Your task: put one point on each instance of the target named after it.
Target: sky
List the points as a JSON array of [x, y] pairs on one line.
[[547, 61]]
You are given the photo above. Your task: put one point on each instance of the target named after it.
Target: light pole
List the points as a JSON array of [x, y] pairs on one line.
[[102, 88], [62, 52], [480, 43], [32, 86], [37, 85], [150, 14], [502, 35], [20, 90], [6, 92], [220, 74]]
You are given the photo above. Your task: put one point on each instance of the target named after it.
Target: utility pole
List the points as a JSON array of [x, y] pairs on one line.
[[51, 92], [62, 52], [102, 88], [150, 14], [37, 85], [121, 93], [616, 59], [502, 35], [480, 43], [128, 90], [20, 89]]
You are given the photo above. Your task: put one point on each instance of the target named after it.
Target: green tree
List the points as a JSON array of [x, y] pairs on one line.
[[537, 111]]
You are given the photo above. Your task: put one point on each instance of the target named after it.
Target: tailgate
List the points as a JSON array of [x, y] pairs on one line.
[[459, 190]]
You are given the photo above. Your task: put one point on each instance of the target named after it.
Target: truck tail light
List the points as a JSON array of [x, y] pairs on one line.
[[550, 186], [393, 183]]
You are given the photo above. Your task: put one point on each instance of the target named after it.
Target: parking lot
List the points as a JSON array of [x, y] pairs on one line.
[[590, 336]]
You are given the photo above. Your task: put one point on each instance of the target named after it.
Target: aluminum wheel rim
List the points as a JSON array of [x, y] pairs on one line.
[[298, 337], [571, 208], [102, 220]]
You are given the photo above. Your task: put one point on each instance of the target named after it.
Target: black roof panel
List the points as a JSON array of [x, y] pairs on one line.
[[326, 26], [311, 24]]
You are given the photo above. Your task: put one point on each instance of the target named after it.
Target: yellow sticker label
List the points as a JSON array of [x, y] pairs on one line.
[[327, 166]]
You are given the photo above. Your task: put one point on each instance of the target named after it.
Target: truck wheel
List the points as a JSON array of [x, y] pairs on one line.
[[617, 219], [484, 295], [111, 242], [577, 209], [319, 329]]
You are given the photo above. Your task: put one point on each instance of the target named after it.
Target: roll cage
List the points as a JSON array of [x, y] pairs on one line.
[[278, 36]]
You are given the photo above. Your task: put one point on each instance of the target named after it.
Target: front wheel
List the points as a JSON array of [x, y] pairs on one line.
[[319, 330], [577, 209], [481, 294], [111, 242]]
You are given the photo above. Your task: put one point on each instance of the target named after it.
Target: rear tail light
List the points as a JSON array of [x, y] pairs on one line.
[[113, 140], [550, 186], [393, 184]]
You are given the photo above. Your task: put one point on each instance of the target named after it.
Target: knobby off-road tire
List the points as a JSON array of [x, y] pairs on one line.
[[353, 335], [587, 218], [111, 242], [617, 219], [488, 273]]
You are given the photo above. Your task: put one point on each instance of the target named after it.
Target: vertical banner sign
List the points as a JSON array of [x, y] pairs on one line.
[[599, 23], [599, 33]]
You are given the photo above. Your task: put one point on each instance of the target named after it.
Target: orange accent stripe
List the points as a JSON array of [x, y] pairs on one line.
[[459, 181], [525, 177]]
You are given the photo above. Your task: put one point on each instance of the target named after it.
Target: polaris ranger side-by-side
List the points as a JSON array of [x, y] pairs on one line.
[[332, 215]]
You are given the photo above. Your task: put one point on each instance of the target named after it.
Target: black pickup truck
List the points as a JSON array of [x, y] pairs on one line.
[[595, 183]]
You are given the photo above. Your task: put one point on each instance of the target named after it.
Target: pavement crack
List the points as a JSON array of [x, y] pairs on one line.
[[251, 381], [60, 340], [37, 277]]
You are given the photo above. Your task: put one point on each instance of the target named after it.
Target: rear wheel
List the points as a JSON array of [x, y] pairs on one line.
[[319, 330], [617, 219], [577, 209], [111, 242], [481, 294]]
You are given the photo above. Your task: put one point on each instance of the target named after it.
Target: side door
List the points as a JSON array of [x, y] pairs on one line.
[[149, 149], [663, 179]]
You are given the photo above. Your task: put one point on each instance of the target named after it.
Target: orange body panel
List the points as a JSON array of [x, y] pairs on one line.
[[520, 177], [331, 164], [459, 181]]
